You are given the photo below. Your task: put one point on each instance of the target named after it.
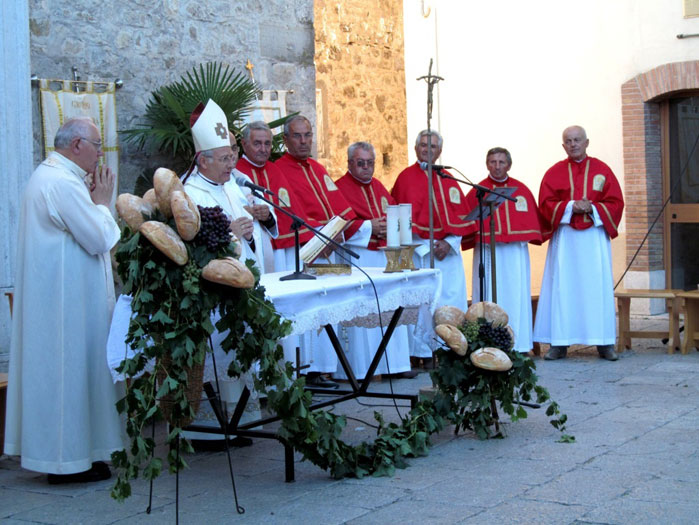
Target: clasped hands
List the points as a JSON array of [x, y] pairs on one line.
[[101, 185], [582, 206]]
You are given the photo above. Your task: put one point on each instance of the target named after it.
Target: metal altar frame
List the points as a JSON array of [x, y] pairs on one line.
[[357, 389]]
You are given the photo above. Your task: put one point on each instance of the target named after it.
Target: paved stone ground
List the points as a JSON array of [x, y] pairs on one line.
[[635, 460]]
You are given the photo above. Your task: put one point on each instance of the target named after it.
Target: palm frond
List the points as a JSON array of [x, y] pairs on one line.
[[165, 124]]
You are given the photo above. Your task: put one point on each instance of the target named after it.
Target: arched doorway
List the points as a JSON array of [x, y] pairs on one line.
[[659, 132]]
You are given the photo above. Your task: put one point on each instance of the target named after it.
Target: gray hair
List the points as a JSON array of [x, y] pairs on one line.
[[424, 132], [360, 145], [258, 125], [288, 123], [209, 154], [70, 130], [493, 151]]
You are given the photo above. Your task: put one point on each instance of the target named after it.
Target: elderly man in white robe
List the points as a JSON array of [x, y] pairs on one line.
[[211, 184], [61, 414]]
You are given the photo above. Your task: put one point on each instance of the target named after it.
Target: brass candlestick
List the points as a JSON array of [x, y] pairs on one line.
[[406, 257], [393, 258]]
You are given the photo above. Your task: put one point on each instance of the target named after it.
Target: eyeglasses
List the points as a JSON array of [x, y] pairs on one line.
[[96, 143], [227, 158], [364, 163]]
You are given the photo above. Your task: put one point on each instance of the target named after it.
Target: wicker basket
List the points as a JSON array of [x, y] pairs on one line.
[[195, 384]]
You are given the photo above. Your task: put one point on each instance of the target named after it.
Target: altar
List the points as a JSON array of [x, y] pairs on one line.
[[340, 299]]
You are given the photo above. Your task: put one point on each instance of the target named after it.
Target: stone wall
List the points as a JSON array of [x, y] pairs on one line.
[[360, 80], [148, 43]]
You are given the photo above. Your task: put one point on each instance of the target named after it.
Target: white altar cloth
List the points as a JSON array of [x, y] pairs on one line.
[[349, 299], [311, 304]]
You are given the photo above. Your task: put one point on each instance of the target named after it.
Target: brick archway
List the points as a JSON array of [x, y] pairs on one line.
[[643, 186]]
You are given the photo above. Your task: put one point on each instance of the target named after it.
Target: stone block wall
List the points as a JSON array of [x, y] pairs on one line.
[[360, 77], [149, 43]]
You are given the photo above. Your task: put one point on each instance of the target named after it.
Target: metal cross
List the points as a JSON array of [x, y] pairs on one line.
[[249, 67]]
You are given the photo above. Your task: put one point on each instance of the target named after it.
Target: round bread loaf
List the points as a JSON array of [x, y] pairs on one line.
[[151, 199], [166, 240], [449, 315], [186, 215], [132, 209], [453, 337], [228, 271], [165, 181], [491, 359], [491, 312]]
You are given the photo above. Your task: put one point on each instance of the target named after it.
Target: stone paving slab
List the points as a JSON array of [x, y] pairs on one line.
[[635, 460]]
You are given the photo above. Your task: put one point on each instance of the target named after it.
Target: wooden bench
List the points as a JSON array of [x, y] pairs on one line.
[[691, 319], [672, 302]]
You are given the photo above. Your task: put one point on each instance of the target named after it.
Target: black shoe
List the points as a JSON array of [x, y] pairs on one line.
[[408, 374], [607, 352], [316, 379], [98, 472]]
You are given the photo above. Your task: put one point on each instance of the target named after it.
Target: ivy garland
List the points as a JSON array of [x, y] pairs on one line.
[[172, 309]]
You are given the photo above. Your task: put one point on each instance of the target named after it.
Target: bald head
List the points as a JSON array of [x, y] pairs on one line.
[[575, 142]]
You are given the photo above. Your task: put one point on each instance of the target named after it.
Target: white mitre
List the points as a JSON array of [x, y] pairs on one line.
[[210, 128]]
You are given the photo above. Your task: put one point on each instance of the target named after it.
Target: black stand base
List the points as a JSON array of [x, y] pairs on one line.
[[359, 389]]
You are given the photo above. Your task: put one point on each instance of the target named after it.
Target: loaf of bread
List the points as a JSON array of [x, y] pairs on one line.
[[132, 209], [453, 337], [166, 240], [449, 315], [150, 198], [165, 181], [491, 359], [491, 312], [228, 271], [186, 215]]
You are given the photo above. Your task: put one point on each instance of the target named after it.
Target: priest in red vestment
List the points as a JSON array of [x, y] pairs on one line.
[[449, 207], [320, 200], [257, 147], [581, 201], [369, 200], [516, 224]]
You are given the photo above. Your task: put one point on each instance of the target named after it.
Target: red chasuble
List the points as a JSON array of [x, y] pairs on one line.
[[316, 191], [569, 180], [514, 221], [449, 203], [273, 179], [369, 201]]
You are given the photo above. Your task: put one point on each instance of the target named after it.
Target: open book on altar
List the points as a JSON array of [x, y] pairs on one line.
[[313, 248]]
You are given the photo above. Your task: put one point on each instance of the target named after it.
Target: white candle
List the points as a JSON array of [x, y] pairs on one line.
[[392, 234], [405, 223]]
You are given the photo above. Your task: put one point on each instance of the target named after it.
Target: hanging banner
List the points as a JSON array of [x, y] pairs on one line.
[[95, 100]]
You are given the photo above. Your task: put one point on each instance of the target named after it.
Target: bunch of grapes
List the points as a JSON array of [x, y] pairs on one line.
[[214, 232], [470, 329], [191, 271], [498, 336]]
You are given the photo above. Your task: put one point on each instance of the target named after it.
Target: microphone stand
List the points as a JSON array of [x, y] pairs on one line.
[[481, 192], [296, 224]]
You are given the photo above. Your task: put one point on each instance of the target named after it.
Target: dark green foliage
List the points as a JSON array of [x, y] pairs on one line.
[[467, 394]]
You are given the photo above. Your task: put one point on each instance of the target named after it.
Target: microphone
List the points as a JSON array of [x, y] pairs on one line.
[[435, 167], [242, 180]]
